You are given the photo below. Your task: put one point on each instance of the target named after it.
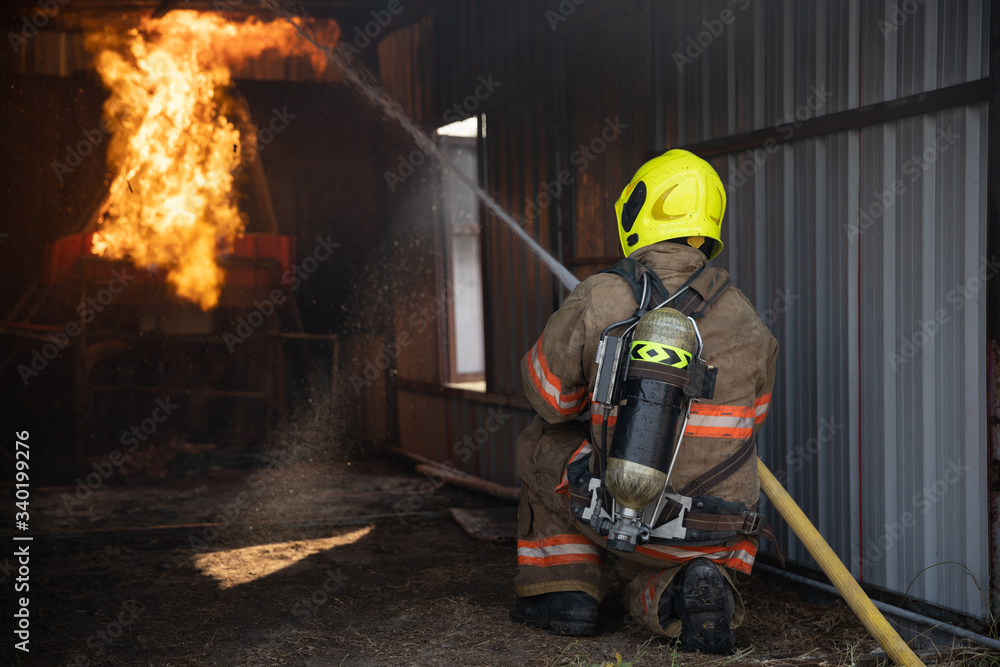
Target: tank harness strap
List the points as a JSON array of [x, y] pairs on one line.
[[705, 286], [578, 496], [704, 483], [749, 523], [697, 380], [631, 270], [701, 485]]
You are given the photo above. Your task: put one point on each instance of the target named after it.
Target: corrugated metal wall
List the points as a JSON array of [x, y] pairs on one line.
[[857, 247], [845, 242], [609, 85], [922, 332]]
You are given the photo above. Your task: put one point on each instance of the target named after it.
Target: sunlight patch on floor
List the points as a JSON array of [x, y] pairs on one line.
[[241, 566]]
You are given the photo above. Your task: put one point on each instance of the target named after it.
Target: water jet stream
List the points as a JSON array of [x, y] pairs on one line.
[[370, 89]]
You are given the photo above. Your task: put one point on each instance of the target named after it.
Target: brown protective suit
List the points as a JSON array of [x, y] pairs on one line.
[[558, 553]]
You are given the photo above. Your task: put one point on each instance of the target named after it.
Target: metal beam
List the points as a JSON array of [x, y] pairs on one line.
[[905, 107]]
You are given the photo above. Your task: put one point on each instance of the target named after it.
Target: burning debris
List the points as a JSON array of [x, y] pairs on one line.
[[179, 138]]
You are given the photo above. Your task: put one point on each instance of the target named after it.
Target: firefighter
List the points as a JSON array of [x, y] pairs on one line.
[[669, 221]]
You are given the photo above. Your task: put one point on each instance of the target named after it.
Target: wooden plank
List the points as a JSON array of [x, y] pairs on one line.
[[489, 525]]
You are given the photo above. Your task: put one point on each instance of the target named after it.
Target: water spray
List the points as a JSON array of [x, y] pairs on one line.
[[369, 88]]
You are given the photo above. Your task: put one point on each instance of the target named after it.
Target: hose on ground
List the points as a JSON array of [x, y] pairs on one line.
[[872, 618]]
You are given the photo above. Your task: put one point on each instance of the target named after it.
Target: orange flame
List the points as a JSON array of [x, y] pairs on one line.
[[177, 140]]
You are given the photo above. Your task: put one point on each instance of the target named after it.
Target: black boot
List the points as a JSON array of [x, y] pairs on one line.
[[563, 613], [700, 597]]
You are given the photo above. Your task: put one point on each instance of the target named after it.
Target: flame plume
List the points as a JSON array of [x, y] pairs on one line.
[[178, 137]]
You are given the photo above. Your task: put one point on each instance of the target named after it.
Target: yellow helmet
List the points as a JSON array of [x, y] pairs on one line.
[[673, 196]]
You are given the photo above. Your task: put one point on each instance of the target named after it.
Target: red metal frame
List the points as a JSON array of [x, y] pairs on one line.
[[64, 254]]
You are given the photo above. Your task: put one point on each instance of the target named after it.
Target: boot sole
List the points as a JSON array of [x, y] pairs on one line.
[[706, 620]]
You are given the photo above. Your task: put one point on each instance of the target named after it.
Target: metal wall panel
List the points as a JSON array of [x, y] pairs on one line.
[[861, 443], [923, 366], [477, 437], [518, 290], [608, 100], [766, 62], [922, 338]]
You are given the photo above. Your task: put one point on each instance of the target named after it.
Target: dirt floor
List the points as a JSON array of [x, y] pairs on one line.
[[292, 576]]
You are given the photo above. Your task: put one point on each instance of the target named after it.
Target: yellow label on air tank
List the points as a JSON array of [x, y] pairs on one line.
[[658, 353]]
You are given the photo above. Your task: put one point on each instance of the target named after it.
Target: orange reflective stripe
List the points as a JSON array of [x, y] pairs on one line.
[[549, 387], [557, 540], [722, 410], [739, 557], [696, 431], [720, 421], [558, 550], [710, 421], [581, 451], [761, 406], [649, 592], [737, 564], [564, 559], [551, 377]]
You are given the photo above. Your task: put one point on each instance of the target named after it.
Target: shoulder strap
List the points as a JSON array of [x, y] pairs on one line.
[[705, 286], [631, 270]]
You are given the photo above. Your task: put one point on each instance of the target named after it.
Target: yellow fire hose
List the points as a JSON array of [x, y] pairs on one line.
[[887, 638]]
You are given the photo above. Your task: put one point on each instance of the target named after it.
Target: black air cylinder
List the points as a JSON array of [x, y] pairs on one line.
[[651, 411]]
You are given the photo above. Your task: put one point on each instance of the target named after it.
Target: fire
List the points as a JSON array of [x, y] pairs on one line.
[[178, 138]]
